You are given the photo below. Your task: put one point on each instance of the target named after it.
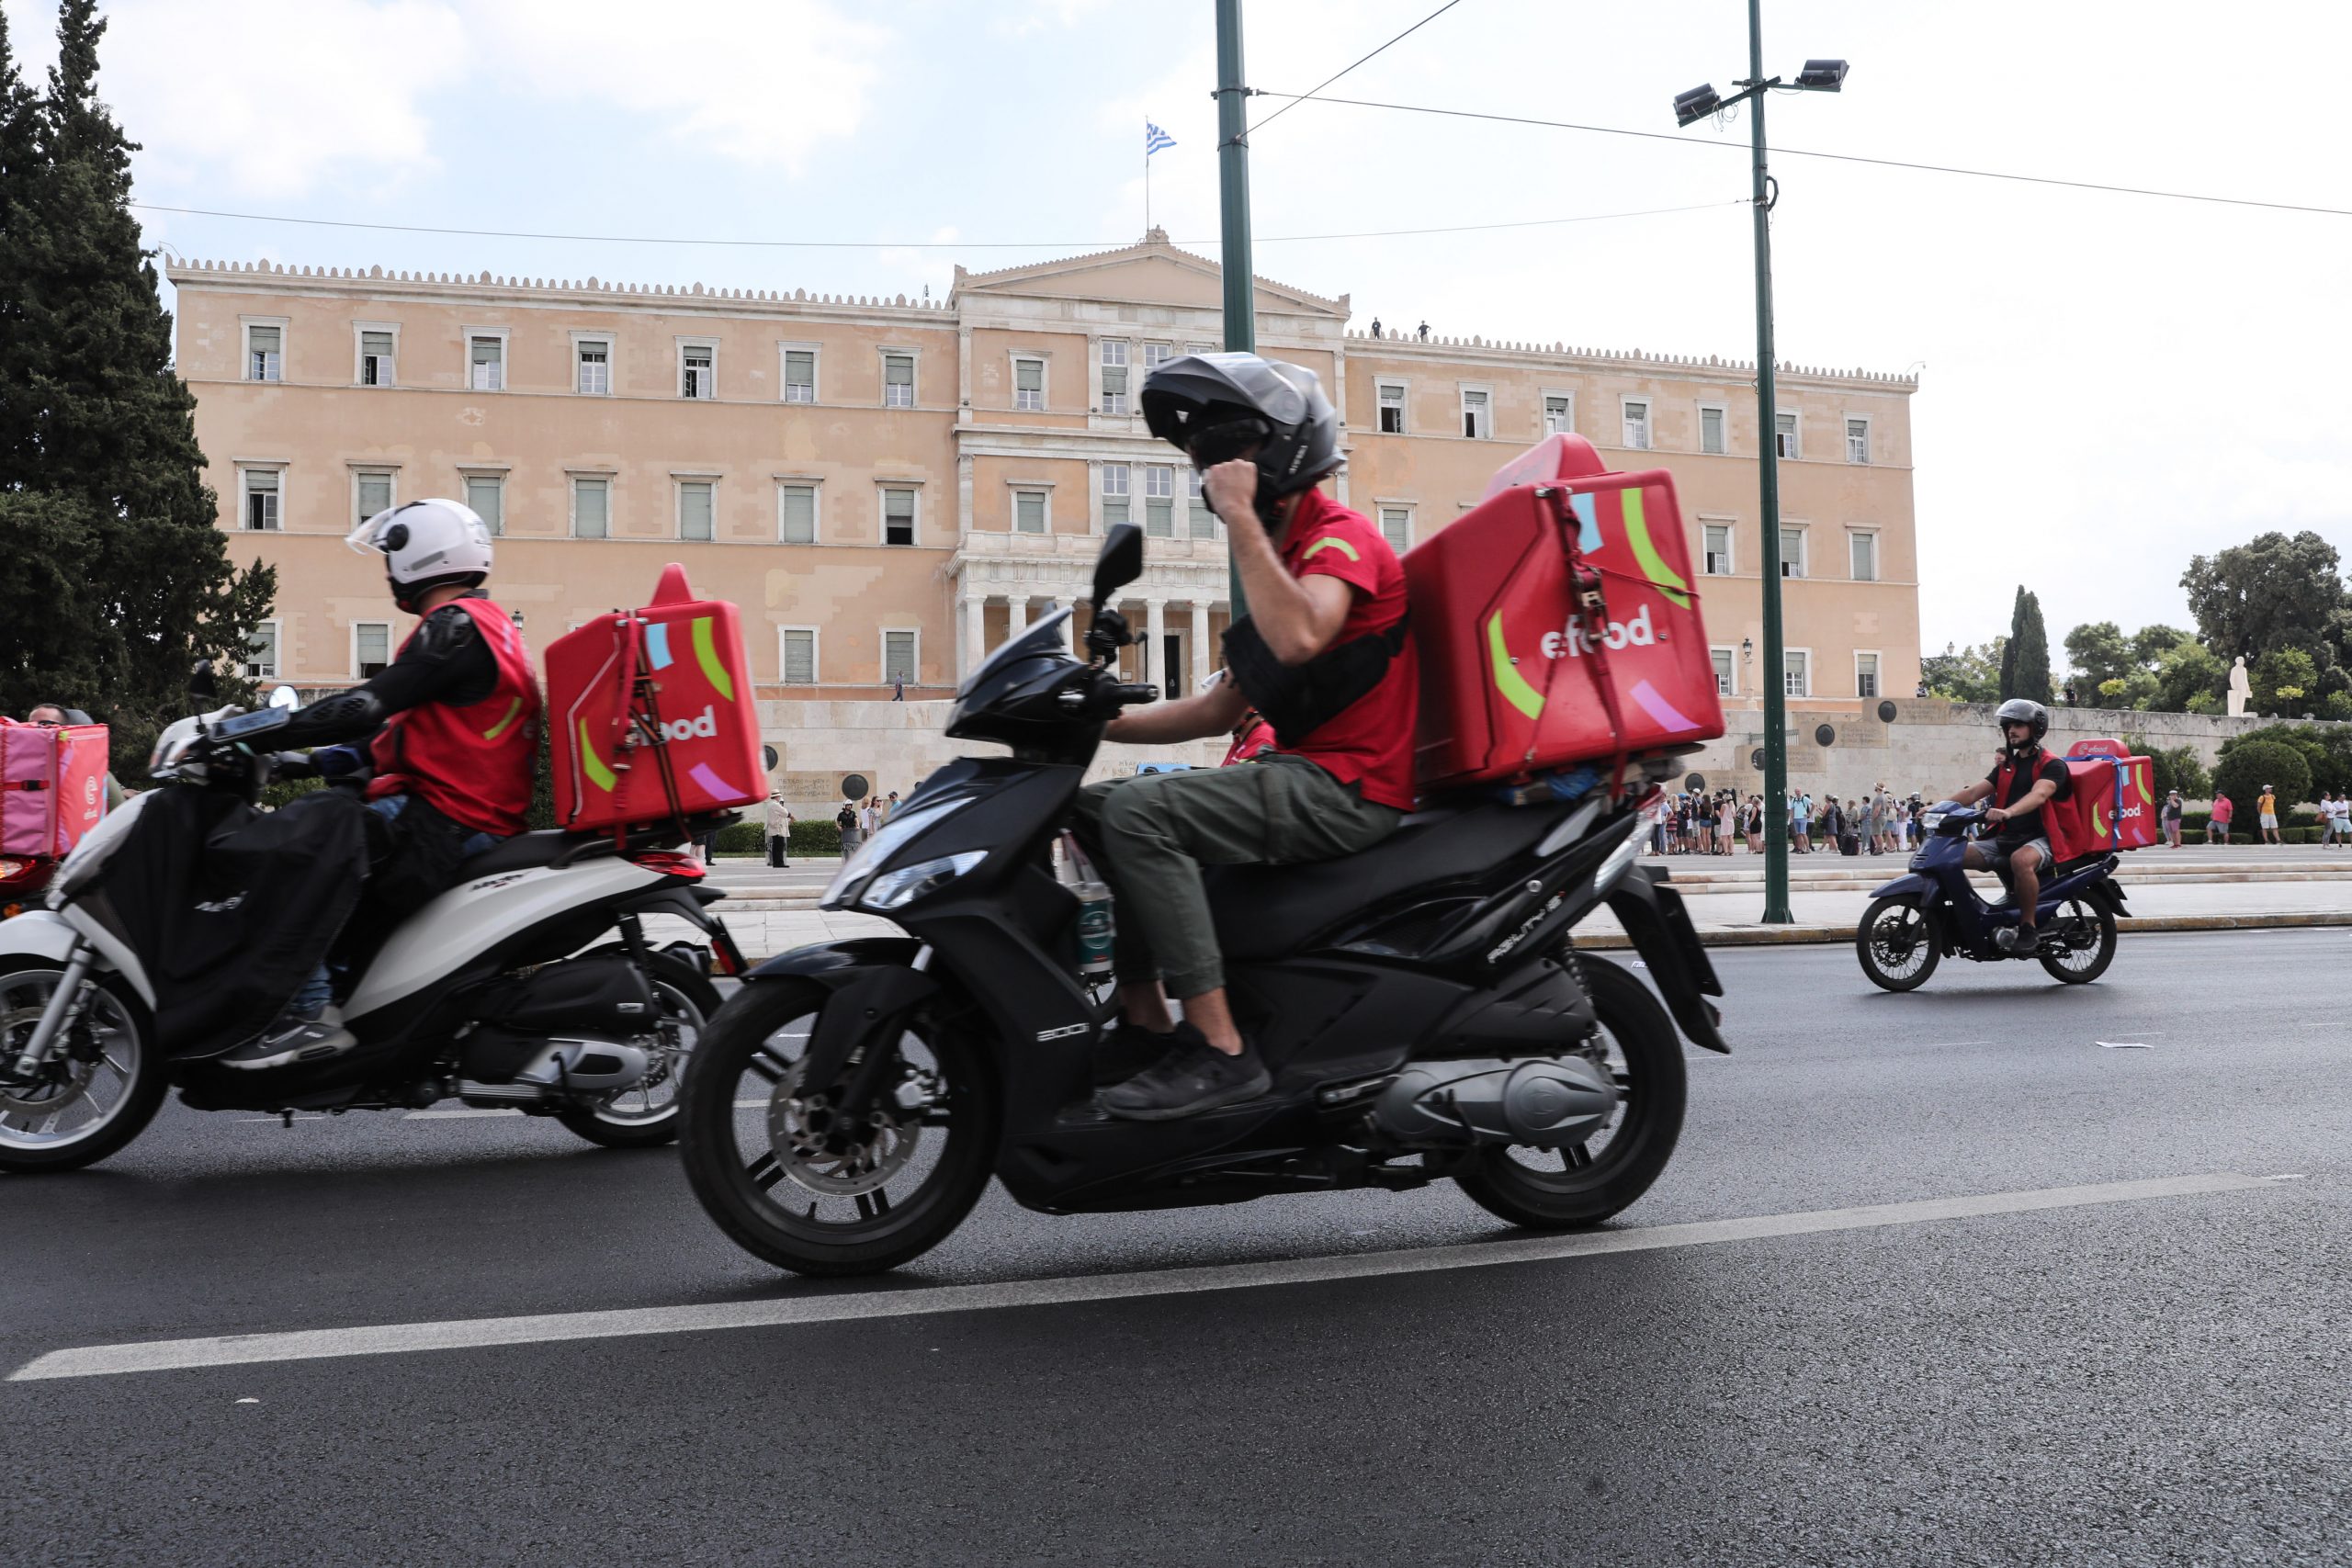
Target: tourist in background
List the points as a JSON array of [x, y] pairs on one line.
[[2171, 819], [779, 830]]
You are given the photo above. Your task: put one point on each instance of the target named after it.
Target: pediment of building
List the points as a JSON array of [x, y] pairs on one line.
[[1152, 273]]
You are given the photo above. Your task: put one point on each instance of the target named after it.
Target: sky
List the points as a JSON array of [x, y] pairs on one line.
[[2110, 384]]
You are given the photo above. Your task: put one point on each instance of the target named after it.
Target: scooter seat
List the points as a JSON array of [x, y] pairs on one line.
[[527, 852], [1267, 911]]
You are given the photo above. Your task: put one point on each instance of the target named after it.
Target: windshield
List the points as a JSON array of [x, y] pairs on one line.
[[1034, 639]]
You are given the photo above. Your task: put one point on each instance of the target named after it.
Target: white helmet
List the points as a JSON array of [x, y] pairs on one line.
[[426, 545]]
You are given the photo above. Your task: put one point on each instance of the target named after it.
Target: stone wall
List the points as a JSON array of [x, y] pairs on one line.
[[896, 745], [1931, 745]]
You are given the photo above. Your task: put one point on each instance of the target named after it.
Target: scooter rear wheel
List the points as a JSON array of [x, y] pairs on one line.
[[1897, 943], [2078, 963], [104, 1085], [1573, 1187], [778, 1176]]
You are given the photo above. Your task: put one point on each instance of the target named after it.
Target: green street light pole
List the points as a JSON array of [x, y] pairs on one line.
[[1767, 424], [1233, 187], [1818, 76]]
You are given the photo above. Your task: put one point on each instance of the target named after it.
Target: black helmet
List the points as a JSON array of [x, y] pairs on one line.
[[2024, 710], [1214, 406]]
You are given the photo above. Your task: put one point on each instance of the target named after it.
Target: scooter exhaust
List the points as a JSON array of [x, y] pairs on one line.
[[1545, 1102], [574, 1067]]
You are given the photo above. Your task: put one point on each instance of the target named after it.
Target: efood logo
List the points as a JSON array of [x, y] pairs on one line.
[[704, 727], [1575, 641]]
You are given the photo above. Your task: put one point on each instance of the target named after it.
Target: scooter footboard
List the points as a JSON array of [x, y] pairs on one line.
[[1655, 916]]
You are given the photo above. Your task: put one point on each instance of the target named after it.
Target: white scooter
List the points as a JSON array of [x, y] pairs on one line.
[[501, 992]]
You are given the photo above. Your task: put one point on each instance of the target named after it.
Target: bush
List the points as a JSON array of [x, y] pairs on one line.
[[814, 836], [2176, 768], [2250, 763], [740, 838]]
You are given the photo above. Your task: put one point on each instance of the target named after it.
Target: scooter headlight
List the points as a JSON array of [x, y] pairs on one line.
[[896, 889], [1931, 821]]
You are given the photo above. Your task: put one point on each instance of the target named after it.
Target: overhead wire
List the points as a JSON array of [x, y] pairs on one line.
[[1298, 98], [1835, 157]]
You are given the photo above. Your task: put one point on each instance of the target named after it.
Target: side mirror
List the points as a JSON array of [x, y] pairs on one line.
[[284, 697], [1119, 563], [201, 683]]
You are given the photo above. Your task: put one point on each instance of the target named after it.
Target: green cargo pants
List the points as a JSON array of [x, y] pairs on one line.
[[1152, 833]]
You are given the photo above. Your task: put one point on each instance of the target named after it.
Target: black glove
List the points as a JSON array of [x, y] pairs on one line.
[[1108, 633]]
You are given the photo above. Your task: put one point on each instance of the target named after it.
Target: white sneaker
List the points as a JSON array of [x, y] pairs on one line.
[[299, 1040]]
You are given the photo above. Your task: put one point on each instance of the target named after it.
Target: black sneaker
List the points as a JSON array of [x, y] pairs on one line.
[[1129, 1050], [298, 1039], [1192, 1078]]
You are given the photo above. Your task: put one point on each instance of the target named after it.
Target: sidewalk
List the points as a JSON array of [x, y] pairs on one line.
[[2194, 889]]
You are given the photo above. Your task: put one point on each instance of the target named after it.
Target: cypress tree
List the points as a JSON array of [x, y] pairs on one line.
[[20, 165], [2031, 674], [2008, 686], [105, 423]]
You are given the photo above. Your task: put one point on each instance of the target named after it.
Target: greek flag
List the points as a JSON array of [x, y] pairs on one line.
[[1154, 139]]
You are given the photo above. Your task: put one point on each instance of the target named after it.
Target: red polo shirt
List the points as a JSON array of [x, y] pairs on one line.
[[1369, 743]]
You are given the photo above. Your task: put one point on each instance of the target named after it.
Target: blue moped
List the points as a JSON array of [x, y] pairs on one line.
[[1914, 920]]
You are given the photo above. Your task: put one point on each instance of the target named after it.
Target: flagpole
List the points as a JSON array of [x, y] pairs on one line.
[[1146, 178]]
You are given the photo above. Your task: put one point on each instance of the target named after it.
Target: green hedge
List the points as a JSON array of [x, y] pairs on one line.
[[807, 839], [814, 836]]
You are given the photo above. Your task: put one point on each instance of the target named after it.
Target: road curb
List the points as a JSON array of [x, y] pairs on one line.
[[1798, 936]]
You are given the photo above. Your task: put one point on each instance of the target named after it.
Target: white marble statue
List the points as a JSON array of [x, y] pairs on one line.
[[2241, 688]]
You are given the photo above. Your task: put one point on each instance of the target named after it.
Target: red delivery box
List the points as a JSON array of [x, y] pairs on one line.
[[2114, 802], [1517, 677], [651, 713], [52, 787]]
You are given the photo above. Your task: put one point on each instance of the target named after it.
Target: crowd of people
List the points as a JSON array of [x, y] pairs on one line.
[[1718, 822]]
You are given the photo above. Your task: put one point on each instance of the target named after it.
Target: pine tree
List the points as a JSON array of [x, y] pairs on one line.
[[2031, 673], [104, 422], [2008, 687], [20, 164]]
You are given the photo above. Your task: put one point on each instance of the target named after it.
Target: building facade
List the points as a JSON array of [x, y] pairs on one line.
[[889, 487]]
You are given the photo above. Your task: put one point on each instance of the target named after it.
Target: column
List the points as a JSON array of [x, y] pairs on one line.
[[974, 632], [1200, 643], [1062, 602], [1016, 614], [1155, 645]]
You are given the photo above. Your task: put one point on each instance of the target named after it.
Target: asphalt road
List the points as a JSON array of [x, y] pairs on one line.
[[2145, 1380]]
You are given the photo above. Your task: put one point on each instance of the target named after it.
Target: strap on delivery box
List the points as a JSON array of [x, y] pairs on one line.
[[632, 716], [1589, 595]]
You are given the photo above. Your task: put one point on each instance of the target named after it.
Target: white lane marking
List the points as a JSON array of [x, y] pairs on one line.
[[303, 1344], [460, 1113], [2124, 1044]]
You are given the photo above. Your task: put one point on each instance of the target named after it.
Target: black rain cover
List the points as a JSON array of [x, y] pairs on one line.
[[231, 909]]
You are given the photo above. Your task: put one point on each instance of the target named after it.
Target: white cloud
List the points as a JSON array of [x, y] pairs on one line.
[[266, 98], [757, 81]]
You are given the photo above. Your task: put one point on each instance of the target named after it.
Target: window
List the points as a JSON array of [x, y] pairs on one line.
[[1392, 408], [799, 661], [694, 508], [592, 508], [1637, 423], [261, 652], [485, 363], [593, 377], [1711, 431], [1718, 550], [376, 367], [1858, 441], [486, 493], [1478, 420], [1559, 413], [1791, 552], [1866, 674], [898, 657], [1029, 511], [897, 380], [261, 498], [1029, 385], [1159, 503], [265, 353], [1397, 528], [1156, 354], [375, 494], [1115, 375], [1785, 425], [371, 648], [797, 513], [799, 374], [1796, 673], [1114, 494], [1200, 348], [1203, 520], [697, 374], [1723, 684], [1865, 552], [897, 517]]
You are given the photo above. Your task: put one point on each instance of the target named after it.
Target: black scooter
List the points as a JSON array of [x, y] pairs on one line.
[[1421, 1005]]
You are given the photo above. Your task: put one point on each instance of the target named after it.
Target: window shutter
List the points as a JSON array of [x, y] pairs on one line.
[[1397, 528], [484, 496], [1029, 511], [695, 510], [898, 657], [591, 509], [375, 494], [800, 658], [800, 514]]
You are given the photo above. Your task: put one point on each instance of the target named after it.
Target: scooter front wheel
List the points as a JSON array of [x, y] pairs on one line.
[[100, 1090], [1897, 943], [789, 1182]]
